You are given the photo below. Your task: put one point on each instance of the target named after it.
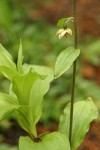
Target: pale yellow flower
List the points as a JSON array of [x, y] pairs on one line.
[[64, 32]]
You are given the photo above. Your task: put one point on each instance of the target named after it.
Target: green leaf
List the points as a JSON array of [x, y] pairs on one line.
[[7, 61], [26, 120], [7, 72], [39, 88], [65, 60], [22, 85], [84, 113], [52, 141], [61, 22], [20, 59], [7, 105], [64, 22], [41, 70]]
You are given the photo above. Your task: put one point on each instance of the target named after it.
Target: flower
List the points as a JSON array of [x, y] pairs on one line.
[[64, 32]]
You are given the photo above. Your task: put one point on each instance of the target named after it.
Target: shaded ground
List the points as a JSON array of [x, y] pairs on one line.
[[92, 139]]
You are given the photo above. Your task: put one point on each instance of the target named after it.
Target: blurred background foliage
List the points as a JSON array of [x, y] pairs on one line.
[[34, 21]]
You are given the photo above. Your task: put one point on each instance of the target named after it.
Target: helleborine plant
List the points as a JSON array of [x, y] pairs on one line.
[[29, 84]]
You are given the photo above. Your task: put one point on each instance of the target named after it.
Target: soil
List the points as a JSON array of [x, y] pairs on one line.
[[91, 141]]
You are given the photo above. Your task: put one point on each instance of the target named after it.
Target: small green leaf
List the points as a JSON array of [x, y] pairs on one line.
[[20, 59], [52, 141], [84, 113], [6, 60], [7, 105], [64, 22], [26, 120], [65, 60], [22, 85]]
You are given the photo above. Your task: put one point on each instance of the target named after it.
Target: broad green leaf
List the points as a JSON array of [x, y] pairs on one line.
[[61, 23], [39, 89], [22, 85], [7, 105], [52, 141], [65, 60], [25, 118], [84, 113], [6, 61], [20, 59]]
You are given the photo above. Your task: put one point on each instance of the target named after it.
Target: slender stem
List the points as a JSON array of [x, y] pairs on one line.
[[74, 72]]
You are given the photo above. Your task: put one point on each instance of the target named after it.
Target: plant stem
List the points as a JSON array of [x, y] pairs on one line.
[[74, 73]]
